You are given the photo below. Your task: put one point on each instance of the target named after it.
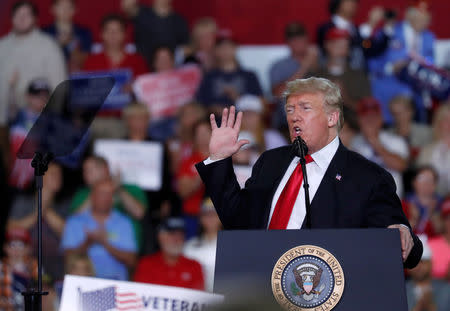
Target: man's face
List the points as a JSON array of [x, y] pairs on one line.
[[308, 118], [23, 20], [171, 242], [94, 171], [64, 10], [298, 45], [37, 102], [226, 51], [401, 112], [348, 8], [113, 34], [338, 48], [102, 197]]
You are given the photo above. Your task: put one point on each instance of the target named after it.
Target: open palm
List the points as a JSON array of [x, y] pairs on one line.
[[224, 139]]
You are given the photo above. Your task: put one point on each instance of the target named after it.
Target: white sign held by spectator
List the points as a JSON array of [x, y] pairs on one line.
[[88, 294], [139, 163]]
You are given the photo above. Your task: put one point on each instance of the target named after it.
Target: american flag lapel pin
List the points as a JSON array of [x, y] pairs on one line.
[[338, 177]]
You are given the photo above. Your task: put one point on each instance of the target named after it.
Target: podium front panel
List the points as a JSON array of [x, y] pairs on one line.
[[371, 262]]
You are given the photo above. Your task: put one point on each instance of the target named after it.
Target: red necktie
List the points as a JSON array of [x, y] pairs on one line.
[[285, 203]]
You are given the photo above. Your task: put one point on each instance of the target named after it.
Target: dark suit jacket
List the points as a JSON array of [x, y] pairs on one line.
[[363, 197]]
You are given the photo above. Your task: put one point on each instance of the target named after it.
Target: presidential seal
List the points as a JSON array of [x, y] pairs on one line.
[[307, 277]]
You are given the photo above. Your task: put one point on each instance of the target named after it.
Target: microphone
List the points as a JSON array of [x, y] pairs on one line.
[[301, 150]]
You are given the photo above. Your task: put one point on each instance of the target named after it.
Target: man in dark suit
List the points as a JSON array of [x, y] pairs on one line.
[[347, 191]]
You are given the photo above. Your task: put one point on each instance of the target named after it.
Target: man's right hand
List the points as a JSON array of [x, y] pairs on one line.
[[224, 139]]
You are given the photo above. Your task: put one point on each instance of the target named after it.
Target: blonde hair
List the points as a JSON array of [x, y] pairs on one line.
[[439, 116], [330, 91], [135, 108]]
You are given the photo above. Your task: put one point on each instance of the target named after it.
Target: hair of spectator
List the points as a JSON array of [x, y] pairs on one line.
[[17, 5], [113, 17], [73, 258], [98, 160], [403, 99], [136, 108], [162, 47], [439, 116], [424, 168], [54, 2], [205, 22], [200, 110], [295, 29], [331, 94]]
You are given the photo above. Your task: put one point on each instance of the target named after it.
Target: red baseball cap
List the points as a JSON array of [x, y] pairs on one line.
[[337, 33], [368, 105], [18, 234]]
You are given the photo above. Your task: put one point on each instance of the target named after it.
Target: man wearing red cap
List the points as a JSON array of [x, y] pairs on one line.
[[353, 82], [386, 149]]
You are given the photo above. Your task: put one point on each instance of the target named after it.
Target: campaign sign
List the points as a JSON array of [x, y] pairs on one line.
[[93, 294], [426, 77], [120, 95], [138, 163], [165, 92]]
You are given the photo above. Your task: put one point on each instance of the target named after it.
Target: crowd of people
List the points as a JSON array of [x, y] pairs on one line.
[[95, 224]]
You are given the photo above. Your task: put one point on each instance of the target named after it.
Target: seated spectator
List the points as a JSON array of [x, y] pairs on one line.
[[202, 247], [354, 83], [423, 206], [18, 269], [410, 39], [224, 84], [387, 150], [26, 53], [440, 246], [253, 122], [168, 266], [106, 235], [189, 184], [114, 56], [38, 94], [181, 145], [55, 208], [437, 153], [74, 39], [127, 199], [417, 135], [201, 49], [302, 59], [422, 291], [79, 264], [155, 26]]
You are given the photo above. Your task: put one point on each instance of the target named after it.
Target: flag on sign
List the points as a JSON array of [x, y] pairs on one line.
[[108, 299]]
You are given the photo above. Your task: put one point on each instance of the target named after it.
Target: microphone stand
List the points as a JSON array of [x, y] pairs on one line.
[[302, 150], [32, 297]]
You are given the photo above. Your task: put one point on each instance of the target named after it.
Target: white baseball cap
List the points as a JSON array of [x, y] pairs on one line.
[[249, 103]]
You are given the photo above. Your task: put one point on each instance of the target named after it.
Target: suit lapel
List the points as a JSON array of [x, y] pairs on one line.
[[325, 205]]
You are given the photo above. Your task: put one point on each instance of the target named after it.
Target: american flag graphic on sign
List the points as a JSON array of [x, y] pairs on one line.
[[108, 299]]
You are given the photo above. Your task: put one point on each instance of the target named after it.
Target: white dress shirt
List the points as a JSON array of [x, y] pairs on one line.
[[315, 170]]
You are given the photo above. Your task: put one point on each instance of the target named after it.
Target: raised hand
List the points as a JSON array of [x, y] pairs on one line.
[[224, 139]]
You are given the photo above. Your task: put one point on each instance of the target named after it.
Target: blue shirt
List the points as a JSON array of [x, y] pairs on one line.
[[120, 235], [282, 70]]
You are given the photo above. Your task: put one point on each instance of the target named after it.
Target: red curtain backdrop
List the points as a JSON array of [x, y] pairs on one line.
[[251, 21]]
